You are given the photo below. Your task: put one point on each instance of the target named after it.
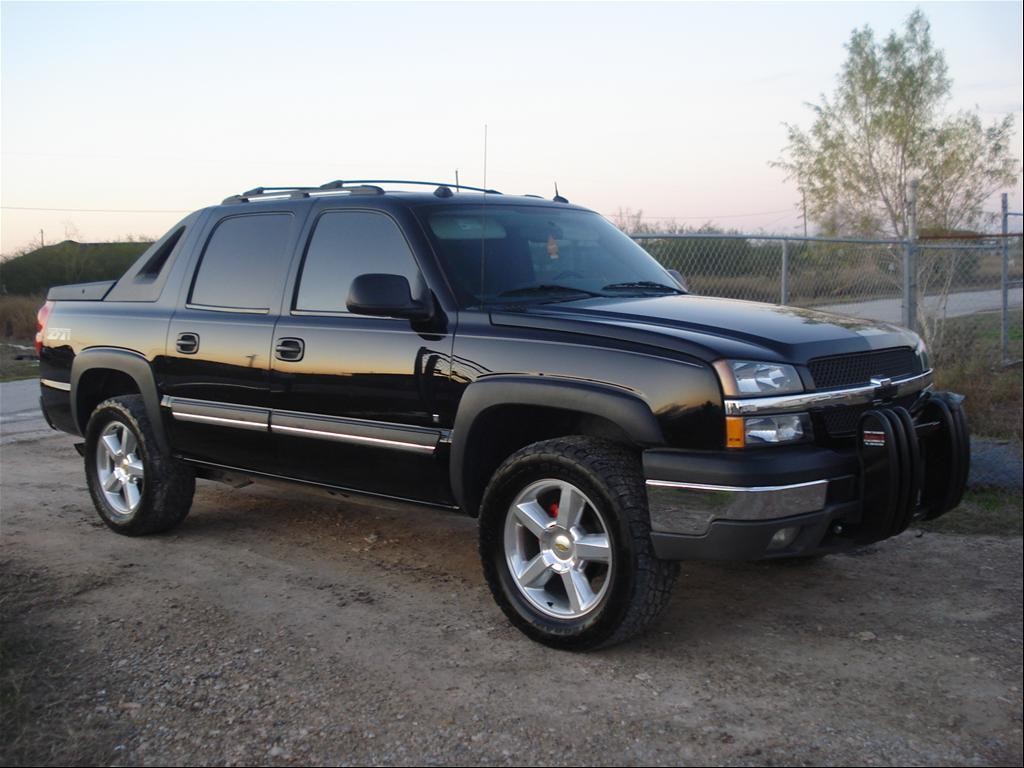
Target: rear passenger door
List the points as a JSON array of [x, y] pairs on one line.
[[356, 398], [216, 370]]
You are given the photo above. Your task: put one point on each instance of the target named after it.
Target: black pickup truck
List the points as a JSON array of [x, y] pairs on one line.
[[515, 358]]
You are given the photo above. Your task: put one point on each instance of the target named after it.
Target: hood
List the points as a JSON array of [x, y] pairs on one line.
[[713, 328]]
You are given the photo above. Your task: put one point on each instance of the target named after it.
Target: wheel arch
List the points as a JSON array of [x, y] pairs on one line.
[[100, 373], [500, 414]]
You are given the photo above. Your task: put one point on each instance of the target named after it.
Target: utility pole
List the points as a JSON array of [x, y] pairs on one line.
[[42, 243], [1004, 284]]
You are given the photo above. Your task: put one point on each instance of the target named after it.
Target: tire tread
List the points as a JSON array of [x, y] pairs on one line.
[[169, 484], [618, 469]]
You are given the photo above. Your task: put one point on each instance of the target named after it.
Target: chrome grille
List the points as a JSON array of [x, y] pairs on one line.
[[861, 367]]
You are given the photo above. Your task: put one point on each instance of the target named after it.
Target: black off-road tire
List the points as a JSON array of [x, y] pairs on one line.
[[638, 583], [162, 493]]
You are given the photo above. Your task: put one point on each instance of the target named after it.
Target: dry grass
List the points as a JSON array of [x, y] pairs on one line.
[[16, 362], [968, 362], [994, 401], [18, 316], [983, 511], [860, 281], [17, 331]]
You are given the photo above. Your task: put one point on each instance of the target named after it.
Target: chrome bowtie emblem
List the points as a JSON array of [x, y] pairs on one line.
[[884, 388]]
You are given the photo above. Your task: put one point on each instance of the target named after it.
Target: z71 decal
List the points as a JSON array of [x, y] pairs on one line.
[[58, 334]]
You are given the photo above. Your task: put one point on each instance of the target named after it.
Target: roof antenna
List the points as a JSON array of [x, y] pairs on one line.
[[485, 156], [558, 198], [456, 181]]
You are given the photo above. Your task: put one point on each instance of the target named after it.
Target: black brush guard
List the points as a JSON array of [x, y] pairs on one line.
[[912, 467]]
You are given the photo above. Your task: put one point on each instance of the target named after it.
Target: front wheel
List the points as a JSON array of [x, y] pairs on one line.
[[565, 544]]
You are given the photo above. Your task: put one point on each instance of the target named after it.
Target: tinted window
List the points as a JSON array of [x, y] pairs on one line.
[[155, 263], [244, 262], [145, 279], [501, 253], [346, 244]]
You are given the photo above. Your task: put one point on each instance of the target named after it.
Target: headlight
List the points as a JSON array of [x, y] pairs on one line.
[[743, 432], [786, 428], [748, 377]]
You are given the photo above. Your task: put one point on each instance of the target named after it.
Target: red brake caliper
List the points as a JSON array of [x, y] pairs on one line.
[[553, 509]]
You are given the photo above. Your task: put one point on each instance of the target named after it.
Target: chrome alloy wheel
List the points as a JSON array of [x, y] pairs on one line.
[[120, 469], [557, 549]]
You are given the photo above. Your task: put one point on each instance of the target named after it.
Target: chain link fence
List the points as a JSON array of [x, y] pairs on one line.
[[964, 297], [961, 310]]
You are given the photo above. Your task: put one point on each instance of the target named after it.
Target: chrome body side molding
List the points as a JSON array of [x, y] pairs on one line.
[[399, 437]]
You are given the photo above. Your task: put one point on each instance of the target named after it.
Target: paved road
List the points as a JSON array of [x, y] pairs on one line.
[[20, 417], [958, 305]]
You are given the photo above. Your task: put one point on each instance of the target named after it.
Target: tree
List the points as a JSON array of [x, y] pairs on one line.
[[884, 126]]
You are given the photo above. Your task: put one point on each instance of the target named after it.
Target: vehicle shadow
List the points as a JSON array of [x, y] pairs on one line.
[[712, 601]]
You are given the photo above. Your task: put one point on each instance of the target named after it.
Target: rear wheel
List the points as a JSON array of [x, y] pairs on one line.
[[136, 487], [565, 544]]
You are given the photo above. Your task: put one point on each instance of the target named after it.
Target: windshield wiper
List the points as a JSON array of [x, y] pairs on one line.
[[646, 285], [531, 290]]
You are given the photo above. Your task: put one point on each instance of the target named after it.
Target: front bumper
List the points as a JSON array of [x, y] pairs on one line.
[[804, 500]]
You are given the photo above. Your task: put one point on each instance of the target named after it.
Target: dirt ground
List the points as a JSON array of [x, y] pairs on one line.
[[280, 628]]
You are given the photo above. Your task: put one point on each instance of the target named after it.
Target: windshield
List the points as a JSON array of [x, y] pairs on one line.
[[502, 254]]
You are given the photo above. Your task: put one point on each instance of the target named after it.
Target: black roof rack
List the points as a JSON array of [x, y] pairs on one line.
[[351, 186], [339, 184]]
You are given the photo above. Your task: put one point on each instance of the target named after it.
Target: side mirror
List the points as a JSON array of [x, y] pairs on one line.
[[676, 275], [386, 296]]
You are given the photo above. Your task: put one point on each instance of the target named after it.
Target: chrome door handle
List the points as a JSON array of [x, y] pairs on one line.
[[289, 350], [187, 343]]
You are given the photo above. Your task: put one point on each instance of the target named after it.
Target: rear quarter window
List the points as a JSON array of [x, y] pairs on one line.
[[244, 263]]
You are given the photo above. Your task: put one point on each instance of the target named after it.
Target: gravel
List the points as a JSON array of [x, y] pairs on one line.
[[280, 628]]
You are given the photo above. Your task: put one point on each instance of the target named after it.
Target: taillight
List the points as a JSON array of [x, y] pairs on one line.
[[41, 317]]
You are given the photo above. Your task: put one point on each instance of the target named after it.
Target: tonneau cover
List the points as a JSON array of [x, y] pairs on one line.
[[81, 291]]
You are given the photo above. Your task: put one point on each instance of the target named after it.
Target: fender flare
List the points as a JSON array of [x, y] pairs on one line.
[[615, 404], [133, 365]]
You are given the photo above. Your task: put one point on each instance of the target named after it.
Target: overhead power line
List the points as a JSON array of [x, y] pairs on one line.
[[94, 210]]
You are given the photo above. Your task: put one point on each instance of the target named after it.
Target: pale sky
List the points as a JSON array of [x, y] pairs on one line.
[[675, 109]]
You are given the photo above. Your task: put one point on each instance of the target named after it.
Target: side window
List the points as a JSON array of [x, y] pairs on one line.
[[346, 244], [151, 269], [145, 279], [244, 262]]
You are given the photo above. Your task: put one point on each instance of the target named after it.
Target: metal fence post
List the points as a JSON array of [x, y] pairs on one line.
[[784, 299], [910, 261], [1004, 325]]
